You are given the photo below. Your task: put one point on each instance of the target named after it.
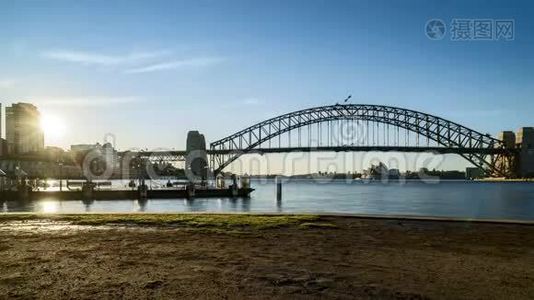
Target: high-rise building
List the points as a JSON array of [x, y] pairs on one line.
[[23, 129]]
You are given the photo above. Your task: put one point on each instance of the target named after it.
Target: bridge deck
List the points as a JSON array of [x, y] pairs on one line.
[[439, 150]]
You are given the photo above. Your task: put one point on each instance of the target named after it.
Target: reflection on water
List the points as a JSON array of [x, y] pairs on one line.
[[49, 206], [167, 205], [447, 198]]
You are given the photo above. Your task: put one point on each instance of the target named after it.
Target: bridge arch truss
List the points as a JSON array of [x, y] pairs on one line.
[[480, 149]]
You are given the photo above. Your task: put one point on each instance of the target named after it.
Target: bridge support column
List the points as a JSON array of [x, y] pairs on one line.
[[507, 163], [196, 160], [525, 140]]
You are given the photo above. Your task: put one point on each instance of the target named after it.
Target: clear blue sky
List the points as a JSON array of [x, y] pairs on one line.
[[147, 71]]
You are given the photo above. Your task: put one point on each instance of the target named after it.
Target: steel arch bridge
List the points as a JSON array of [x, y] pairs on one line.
[[446, 136]]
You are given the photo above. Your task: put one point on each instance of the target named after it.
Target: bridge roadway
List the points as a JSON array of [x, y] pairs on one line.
[[179, 155]]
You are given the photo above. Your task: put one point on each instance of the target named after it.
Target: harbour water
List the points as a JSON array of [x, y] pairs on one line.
[[462, 199]]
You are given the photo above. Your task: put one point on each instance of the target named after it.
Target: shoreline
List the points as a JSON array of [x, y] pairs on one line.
[[500, 179]]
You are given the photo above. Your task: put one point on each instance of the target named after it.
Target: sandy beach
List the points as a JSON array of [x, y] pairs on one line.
[[262, 257]]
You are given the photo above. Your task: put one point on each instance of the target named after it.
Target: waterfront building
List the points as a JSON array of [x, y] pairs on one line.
[[380, 171], [23, 129], [474, 173], [107, 155]]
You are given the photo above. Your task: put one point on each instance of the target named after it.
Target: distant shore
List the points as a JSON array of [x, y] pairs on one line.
[[506, 179], [263, 256]]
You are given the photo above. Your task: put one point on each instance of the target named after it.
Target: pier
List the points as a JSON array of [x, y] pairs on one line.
[[88, 190], [124, 194]]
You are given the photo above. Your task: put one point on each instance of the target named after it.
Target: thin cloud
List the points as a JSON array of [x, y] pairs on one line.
[[252, 101], [87, 101], [241, 102], [176, 64], [92, 58]]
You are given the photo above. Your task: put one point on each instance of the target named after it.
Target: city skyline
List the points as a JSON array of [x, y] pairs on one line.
[[238, 63], [329, 144]]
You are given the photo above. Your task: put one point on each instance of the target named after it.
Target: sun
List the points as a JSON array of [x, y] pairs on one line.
[[53, 126]]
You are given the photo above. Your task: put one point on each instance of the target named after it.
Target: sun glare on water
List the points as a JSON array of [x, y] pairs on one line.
[[49, 207]]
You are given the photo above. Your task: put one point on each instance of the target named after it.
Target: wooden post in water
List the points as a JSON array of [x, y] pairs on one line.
[[88, 189], [235, 188], [142, 190], [23, 190], [278, 182], [190, 189]]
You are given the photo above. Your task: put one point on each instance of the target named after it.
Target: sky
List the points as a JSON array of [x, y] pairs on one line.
[[143, 73]]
